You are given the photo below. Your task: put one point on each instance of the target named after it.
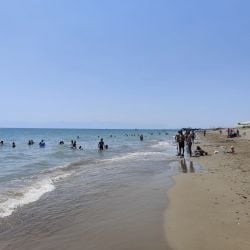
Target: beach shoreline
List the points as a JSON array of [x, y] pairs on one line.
[[113, 199], [127, 218], [209, 209]]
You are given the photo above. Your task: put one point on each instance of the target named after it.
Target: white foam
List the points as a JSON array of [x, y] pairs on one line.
[[61, 176], [26, 196], [162, 145], [137, 156]]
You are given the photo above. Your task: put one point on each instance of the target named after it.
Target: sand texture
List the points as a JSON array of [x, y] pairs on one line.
[[211, 209]]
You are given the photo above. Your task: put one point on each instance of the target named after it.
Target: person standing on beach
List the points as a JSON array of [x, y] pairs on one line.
[[193, 136], [204, 132], [181, 142], [189, 143], [177, 136]]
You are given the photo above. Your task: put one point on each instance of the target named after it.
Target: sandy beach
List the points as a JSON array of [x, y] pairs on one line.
[[211, 209]]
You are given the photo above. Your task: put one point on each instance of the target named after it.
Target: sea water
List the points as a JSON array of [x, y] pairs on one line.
[[64, 198], [28, 172]]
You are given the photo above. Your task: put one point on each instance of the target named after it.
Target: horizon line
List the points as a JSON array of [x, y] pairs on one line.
[[88, 128]]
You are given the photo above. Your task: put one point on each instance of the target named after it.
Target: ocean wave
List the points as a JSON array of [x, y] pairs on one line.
[[74, 165], [137, 156], [32, 189], [162, 145], [14, 199]]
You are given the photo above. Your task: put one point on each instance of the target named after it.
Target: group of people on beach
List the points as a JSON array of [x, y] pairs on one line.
[[182, 139], [233, 133], [187, 139]]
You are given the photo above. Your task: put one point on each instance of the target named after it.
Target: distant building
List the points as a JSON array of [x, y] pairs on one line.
[[244, 124]]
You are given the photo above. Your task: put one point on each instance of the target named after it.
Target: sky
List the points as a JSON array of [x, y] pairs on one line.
[[124, 64]]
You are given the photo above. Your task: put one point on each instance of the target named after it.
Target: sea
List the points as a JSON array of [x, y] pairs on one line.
[[42, 189]]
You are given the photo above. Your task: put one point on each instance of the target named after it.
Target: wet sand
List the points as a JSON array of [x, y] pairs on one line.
[[211, 209], [128, 216]]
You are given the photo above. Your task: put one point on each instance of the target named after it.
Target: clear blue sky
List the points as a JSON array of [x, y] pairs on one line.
[[124, 64]]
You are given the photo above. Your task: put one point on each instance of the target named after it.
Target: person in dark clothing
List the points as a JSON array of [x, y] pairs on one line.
[[74, 145], [181, 141], [199, 151], [101, 144], [193, 136], [42, 144], [189, 143]]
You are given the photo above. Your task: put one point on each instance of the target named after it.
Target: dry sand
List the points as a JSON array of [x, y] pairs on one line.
[[211, 209]]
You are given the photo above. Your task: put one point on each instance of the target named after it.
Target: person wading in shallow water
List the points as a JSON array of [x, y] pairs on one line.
[[189, 143], [181, 141], [101, 144]]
